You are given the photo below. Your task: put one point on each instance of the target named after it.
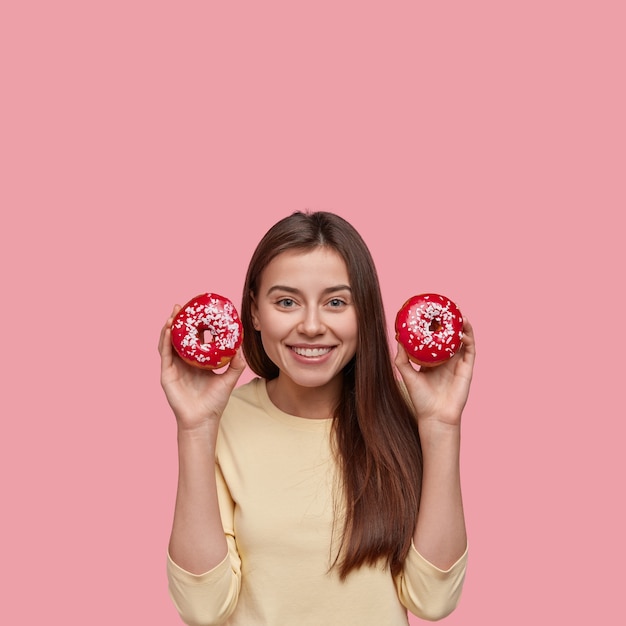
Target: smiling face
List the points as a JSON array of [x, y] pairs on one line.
[[307, 320]]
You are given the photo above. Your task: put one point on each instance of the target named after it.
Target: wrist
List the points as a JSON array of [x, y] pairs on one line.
[[205, 430], [439, 432]]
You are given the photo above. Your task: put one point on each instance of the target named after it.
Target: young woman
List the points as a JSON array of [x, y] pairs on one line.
[[327, 490]]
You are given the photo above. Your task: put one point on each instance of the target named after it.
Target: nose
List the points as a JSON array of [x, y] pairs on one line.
[[312, 323]]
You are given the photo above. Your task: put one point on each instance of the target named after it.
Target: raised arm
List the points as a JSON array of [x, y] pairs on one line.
[[198, 398], [439, 395]]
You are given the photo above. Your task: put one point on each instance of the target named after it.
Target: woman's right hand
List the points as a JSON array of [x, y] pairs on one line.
[[197, 396]]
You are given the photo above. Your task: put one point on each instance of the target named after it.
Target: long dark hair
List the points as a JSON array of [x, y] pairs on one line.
[[376, 436]]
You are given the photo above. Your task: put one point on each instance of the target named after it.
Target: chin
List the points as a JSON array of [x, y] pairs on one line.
[[312, 381]]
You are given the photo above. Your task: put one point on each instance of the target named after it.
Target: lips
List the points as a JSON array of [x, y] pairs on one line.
[[310, 352]]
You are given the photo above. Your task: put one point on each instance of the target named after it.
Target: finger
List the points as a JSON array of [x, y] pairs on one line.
[[468, 329], [166, 349], [401, 355], [165, 340], [402, 362], [469, 342], [235, 369], [237, 364], [162, 336]]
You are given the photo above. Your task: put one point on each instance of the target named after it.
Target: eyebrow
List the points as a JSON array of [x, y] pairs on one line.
[[293, 290]]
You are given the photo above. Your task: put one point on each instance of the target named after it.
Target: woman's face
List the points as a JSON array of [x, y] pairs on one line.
[[306, 317]]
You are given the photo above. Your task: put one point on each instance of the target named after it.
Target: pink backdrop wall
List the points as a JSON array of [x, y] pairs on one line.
[[479, 147]]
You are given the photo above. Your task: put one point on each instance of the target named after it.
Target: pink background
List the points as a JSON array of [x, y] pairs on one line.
[[479, 147]]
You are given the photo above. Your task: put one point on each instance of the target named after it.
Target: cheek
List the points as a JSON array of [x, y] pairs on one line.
[[272, 325], [348, 328]]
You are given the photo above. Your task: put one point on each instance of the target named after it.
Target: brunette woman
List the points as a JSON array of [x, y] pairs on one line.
[[327, 490]]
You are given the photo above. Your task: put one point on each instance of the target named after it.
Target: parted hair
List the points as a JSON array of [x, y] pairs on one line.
[[375, 433]]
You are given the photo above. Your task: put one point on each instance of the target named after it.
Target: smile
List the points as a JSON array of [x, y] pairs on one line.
[[311, 352]]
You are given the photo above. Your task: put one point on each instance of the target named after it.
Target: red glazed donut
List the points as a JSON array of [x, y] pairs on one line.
[[430, 328], [213, 313]]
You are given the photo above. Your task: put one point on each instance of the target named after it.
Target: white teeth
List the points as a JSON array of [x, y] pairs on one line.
[[311, 352]]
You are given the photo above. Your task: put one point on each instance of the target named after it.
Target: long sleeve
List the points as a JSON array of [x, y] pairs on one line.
[[427, 591], [209, 599], [276, 476]]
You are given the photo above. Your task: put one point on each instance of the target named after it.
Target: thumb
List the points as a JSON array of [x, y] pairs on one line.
[[236, 368], [402, 359]]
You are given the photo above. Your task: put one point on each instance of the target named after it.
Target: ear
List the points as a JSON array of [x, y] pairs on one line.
[[254, 311]]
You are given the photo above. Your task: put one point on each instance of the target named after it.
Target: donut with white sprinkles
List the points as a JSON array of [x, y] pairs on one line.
[[430, 328], [207, 331]]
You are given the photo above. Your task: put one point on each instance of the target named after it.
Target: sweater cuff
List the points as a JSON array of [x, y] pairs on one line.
[[177, 572], [207, 598], [428, 591], [461, 561]]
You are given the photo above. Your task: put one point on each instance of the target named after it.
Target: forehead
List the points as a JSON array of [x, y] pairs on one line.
[[320, 266]]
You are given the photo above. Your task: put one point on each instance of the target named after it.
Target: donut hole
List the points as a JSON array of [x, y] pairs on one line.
[[435, 326], [207, 336]]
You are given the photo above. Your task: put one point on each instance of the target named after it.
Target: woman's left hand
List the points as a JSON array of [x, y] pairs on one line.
[[440, 393]]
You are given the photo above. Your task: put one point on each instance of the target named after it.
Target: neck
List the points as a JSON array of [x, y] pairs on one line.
[[306, 402]]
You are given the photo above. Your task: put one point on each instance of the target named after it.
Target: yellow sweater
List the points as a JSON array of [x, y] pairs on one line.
[[276, 478]]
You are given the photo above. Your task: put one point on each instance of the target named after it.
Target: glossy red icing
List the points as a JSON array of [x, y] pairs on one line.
[[430, 327], [215, 314]]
